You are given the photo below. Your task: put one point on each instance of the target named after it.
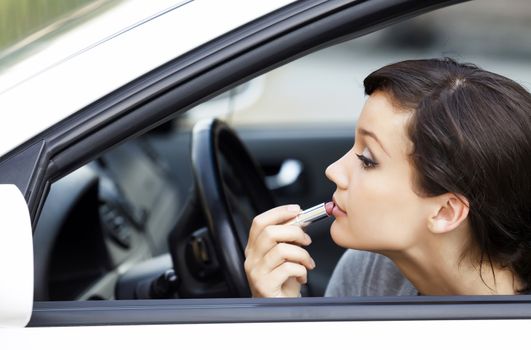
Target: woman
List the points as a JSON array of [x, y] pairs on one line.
[[434, 196]]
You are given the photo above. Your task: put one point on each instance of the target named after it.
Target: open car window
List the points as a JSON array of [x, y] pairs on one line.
[[114, 215], [105, 230]]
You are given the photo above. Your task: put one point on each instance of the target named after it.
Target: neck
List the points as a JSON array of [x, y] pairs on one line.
[[438, 267]]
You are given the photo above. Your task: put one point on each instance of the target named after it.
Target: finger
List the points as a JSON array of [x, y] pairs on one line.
[[274, 234], [274, 216], [283, 252], [288, 269]]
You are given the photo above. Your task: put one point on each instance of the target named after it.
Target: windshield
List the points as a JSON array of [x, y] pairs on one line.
[[28, 27], [36, 35]]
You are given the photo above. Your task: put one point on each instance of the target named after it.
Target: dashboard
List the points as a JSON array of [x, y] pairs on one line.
[[100, 220]]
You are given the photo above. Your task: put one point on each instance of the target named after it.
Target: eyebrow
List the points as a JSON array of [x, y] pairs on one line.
[[368, 133]]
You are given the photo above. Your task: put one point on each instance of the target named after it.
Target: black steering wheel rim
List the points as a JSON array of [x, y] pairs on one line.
[[211, 140]]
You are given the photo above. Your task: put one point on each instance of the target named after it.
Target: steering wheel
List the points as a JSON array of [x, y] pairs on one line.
[[232, 191]]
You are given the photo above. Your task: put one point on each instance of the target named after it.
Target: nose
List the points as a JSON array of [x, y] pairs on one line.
[[337, 173]]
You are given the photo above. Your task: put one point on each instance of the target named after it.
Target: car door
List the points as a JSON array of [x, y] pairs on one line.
[[267, 43]]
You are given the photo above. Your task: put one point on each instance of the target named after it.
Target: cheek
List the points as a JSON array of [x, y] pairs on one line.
[[383, 213]]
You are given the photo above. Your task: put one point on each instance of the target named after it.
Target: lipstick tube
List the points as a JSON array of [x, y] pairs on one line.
[[310, 215]]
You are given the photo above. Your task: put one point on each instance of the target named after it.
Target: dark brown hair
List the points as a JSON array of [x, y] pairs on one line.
[[471, 131]]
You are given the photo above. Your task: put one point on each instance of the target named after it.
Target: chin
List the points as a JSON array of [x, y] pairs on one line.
[[337, 235], [350, 240], [343, 238]]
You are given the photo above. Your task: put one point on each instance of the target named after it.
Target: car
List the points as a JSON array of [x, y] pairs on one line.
[[133, 161]]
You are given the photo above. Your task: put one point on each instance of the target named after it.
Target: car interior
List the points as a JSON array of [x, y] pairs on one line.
[[117, 227], [115, 214]]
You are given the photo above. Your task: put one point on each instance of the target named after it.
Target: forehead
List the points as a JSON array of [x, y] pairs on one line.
[[388, 122]]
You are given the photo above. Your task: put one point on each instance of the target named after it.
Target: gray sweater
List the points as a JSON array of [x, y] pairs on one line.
[[361, 273]]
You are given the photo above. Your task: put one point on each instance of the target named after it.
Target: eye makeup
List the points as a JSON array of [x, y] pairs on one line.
[[366, 159]]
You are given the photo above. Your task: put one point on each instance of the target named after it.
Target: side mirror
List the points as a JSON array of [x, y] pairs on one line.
[[16, 259]]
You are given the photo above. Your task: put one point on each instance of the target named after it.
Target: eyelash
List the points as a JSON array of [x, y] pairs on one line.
[[366, 163]]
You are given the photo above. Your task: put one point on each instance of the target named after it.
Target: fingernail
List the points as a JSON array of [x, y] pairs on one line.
[[294, 208], [313, 263], [308, 238]]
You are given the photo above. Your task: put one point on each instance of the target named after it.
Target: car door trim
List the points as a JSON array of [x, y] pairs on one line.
[[391, 308]]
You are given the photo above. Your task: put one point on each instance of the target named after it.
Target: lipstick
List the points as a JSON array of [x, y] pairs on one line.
[[313, 214]]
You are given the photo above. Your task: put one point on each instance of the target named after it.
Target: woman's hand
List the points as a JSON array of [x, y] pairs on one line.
[[275, 264]]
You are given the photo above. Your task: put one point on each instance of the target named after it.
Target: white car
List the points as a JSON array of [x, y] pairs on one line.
[[125, 205]]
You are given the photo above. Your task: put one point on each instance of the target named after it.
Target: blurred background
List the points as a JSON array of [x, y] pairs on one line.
[[35, 34], [327, 86]]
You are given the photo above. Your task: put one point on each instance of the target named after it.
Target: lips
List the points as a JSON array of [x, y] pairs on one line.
[[337, 211]]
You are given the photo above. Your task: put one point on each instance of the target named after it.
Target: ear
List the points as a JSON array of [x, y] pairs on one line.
[[451, 210]]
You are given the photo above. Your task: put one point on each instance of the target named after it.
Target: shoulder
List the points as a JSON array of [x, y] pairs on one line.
[[361, 273]]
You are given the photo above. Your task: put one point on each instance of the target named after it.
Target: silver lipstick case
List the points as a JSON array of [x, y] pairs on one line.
[[310, 215]]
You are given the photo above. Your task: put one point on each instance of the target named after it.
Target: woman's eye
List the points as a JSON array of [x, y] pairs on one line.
[[366, 159]]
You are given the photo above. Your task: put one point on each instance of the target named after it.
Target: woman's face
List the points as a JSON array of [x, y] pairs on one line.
[[374, 184]]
